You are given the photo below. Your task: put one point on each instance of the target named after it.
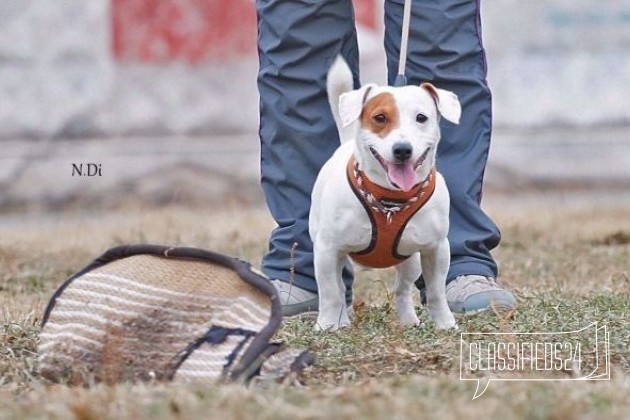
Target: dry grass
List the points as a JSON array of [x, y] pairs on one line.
[[567, 259]]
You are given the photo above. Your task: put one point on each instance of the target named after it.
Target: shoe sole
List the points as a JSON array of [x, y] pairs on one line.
[[303, 316], [301, 310], [494, 308]]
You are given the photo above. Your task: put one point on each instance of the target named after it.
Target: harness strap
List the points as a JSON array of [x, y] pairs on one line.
[[389, 212]]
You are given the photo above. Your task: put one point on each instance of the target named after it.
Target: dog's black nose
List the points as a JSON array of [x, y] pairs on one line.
[[402, 151]]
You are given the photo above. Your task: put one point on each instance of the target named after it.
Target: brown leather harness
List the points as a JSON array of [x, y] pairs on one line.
[[389, 212]]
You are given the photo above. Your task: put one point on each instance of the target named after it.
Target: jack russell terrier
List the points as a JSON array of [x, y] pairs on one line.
[[379, 198]]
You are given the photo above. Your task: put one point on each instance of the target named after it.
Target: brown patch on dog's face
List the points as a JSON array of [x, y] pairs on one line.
[[380, 114]]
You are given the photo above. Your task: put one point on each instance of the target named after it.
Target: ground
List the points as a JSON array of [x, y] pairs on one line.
[[565, 255]]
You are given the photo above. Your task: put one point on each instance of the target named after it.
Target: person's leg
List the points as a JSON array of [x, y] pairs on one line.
[[298, 40], [445, 49]]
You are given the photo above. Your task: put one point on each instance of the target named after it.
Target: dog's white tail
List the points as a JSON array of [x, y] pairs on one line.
[[338, 82]]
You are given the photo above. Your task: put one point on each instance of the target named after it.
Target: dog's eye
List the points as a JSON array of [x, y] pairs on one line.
[[421, 118], [380, 118]]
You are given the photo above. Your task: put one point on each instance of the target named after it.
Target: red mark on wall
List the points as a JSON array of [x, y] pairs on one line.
[[366, 13], [193, 30]]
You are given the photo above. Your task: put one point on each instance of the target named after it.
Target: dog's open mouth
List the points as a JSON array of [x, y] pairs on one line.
[[401, 175]]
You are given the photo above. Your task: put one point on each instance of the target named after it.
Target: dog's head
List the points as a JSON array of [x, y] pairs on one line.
[[398, 129]]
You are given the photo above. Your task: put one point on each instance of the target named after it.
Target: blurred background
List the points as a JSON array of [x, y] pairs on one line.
[[161, 96]]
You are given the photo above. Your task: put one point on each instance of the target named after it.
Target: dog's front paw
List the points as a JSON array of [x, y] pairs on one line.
[[332, 323], [408, 319], [446, 322], [323, 326]]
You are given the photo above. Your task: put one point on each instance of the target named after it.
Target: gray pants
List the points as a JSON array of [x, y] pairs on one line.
[[298, 41]]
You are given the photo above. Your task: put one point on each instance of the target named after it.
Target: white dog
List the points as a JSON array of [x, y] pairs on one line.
[[379, 199]]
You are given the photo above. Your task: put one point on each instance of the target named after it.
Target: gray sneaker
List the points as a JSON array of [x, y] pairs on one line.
[[473, 294], [296, 301]]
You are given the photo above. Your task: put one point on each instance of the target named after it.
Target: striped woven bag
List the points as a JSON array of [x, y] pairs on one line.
[[148, 312]]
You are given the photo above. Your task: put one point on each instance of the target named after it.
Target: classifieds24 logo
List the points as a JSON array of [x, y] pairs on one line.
[[546, 356]]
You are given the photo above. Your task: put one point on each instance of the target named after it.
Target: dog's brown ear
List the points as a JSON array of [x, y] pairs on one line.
[[351, 104], [446, 102]]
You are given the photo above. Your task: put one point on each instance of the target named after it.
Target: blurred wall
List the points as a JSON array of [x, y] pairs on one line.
[[559, 62], [84, 68]]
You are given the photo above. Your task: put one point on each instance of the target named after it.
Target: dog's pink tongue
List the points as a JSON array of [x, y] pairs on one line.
[[403, 175]]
